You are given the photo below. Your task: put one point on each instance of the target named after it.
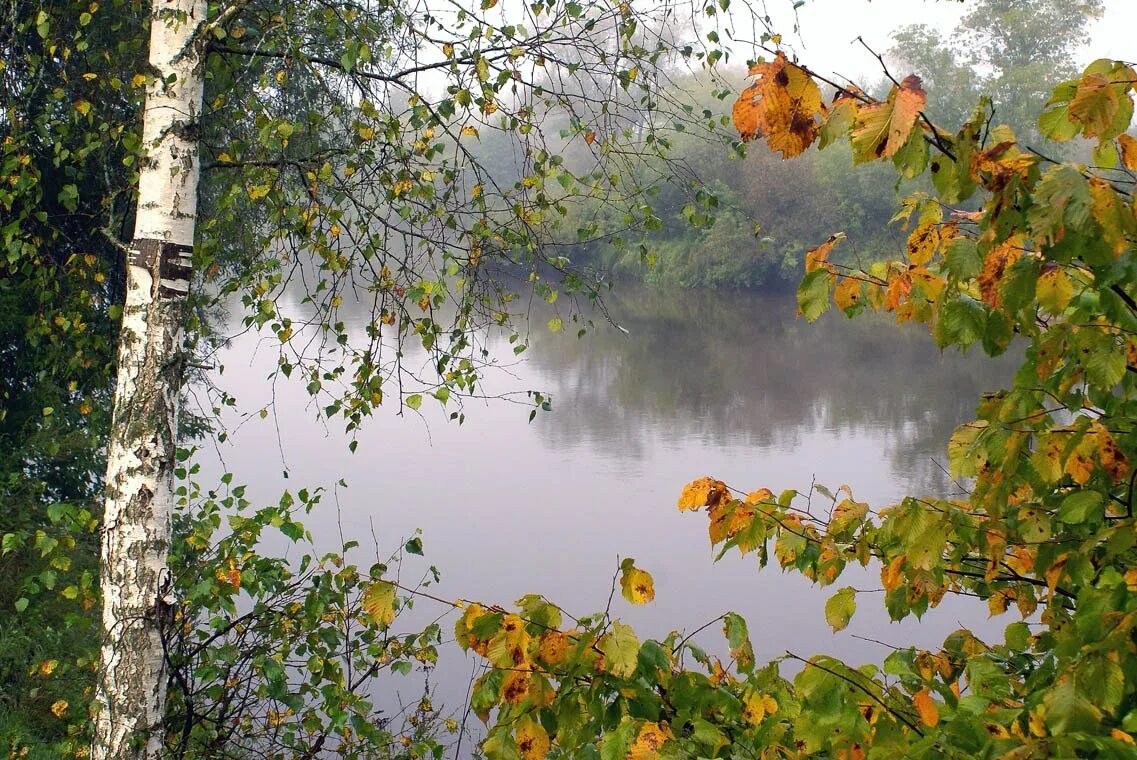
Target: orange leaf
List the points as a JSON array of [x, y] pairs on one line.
[[847, 293], [926, 706], [782, 106], [818, 257], [994, 266], [1128, 151]]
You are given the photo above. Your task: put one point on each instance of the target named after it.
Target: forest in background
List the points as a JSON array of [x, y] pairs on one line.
[[756, 214]]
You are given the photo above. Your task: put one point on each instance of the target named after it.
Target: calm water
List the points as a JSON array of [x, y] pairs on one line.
[[702, 383]]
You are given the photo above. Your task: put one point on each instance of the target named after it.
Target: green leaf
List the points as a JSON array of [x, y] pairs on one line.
[[621, 648], [813, 294], [414, 401], [840, 608], [1068, 710], [738, 637], [1079, 506], [962, 258]]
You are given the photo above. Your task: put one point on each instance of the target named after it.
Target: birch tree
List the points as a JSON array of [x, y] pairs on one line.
[[336, 170], [136, 534]]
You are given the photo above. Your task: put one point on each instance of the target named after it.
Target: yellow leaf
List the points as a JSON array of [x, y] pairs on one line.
[[880, 130], [704, 492], [82, 107], [926, 707], [515, 687], [469, 132], [448, 50], [1054, 290], [552, 646], [509, 648], [922, 243], [649, 742], [636, 584], [366, 133], [757, 706], [59, 708], [379, 602], [532, 739], [477, 191], [761, 496], [847, 293], [997, 604], [1121, 736], [138, 80]]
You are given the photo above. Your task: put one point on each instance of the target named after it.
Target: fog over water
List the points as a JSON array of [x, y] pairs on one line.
[[701, 383]]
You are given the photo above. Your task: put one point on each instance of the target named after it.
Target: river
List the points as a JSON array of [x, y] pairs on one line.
[[728, 384]]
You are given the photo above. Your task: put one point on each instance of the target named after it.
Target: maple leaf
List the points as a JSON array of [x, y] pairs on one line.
[[880, 130]]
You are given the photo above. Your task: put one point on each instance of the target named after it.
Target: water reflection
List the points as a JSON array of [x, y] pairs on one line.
[[739, 369], [729, 384]]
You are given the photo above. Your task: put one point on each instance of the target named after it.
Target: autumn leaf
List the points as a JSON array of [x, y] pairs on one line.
[[1054, 289], [532, 739], [704, 492], [649, 741], [509, 647], [635, 584], [926, 707], [757, 706], [1128, 151], [379, 602], [59, 708], [995, 265], [781, 106], [927, 239], [515, 687], [818, 256], [552, 647], [880, 130], [847, 294]]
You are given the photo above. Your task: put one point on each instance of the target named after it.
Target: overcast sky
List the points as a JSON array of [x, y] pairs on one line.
[[829, 28]]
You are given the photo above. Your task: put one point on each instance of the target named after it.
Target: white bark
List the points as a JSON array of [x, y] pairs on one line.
[[134, 573]]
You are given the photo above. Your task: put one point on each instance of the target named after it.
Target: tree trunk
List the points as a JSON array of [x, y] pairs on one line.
[[134, 574]]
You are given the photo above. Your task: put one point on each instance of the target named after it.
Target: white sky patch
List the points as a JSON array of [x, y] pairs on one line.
[[829, 30]]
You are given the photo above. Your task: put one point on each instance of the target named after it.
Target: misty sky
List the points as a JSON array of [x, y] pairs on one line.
[[829, 29]]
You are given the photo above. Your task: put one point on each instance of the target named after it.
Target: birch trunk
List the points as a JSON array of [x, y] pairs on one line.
[[134, 573]]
